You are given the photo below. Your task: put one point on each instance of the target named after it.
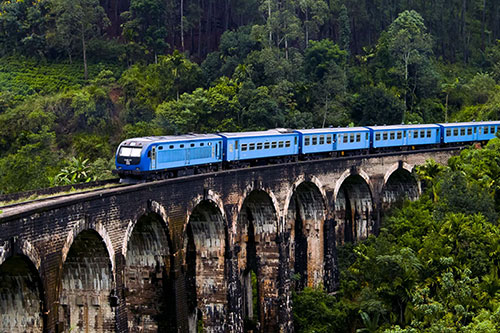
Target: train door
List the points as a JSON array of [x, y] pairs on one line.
[[153, 158], [236, 150]]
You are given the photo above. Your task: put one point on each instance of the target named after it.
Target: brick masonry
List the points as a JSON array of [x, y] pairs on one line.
[[177, 255]]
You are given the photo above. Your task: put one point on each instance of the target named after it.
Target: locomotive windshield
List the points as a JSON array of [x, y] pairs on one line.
[[130, 152]]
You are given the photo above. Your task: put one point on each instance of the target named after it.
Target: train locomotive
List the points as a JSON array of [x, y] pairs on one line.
[[159, 157]]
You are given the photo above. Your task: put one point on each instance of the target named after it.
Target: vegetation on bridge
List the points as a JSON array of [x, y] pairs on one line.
[[433, 268]]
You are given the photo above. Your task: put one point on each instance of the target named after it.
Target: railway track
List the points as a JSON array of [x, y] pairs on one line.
[[42, 195], [23, 198]]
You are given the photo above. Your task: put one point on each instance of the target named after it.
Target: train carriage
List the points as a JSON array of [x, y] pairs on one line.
[[326, 140], [242, 146], [404, 135], [469, 131]]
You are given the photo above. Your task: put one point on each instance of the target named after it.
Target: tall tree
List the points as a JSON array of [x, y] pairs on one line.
[[408, 47], [145, 26], [76, 22]]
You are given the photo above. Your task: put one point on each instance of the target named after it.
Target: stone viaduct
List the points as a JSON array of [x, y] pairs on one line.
[[218, 252]]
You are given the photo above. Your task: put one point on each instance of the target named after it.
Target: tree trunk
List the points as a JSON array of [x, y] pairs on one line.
[[306, 25], [482, 26], [84, 48], [182, 25], [269, 23]]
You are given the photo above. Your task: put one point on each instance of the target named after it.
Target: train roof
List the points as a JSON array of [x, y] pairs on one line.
[[332, 130], [401, 127], [272, 132], [471, 123], [172, 138]]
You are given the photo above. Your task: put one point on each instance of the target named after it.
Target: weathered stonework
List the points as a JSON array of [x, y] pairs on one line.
[[177, 255]]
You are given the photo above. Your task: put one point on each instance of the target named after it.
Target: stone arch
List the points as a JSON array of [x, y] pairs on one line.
[[152, 207], [258, 258], [83, 225], [353, 207], [205, 245], [306, 213], [87, 283], [22, 300], [399, 183], [148, 285]]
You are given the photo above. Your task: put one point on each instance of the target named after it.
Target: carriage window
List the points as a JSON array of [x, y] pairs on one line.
[[280, 144], [329, 139], [384, 136], [377, 136], [469, 131], [202, 144], [422, 134], [192, 145], [399, 135], [351, 138], [287, 144], [429, 134], [321, 139], [243, 147], [315, 140], [160, 147], [252, 146], [273, 145], [267, 145], [492, 129], [391, 135], [236, 145], [346, 138], [259, 145], [415, 134], [209, 144], [462, 131], [475, 130], [307, 140], [358, 137], [448, 132], [181, 146]]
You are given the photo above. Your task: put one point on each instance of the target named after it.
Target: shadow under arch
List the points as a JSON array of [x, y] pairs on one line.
[[205, 245], [400, 185], [258, 260], [354, 209], [22, 301], [305, 223], [150, 300], [86, 285]]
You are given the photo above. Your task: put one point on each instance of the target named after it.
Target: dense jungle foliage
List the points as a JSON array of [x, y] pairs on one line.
[[76, 77], [433, 268]]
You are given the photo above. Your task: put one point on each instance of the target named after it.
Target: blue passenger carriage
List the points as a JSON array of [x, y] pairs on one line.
[[350, 138], [469, 131], [164, 153], [242, 146], [404, 135], [327, 140]]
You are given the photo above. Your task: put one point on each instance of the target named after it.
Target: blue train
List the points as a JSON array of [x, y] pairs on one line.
[[171, 156]]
